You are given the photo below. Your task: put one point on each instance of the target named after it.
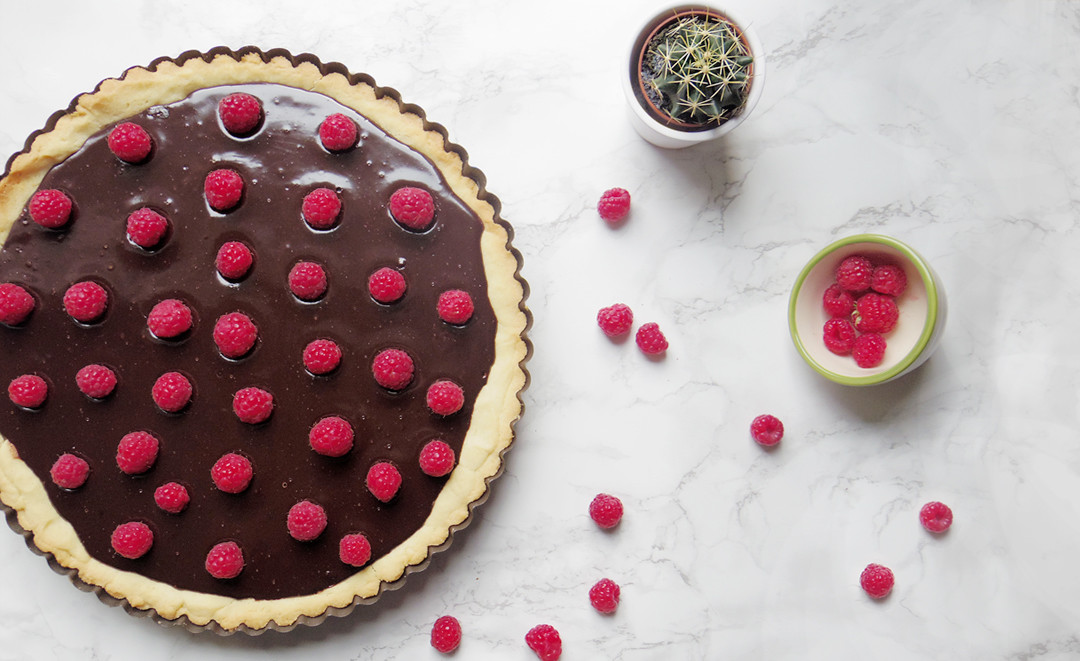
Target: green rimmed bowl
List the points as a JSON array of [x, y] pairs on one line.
[[922, 311]]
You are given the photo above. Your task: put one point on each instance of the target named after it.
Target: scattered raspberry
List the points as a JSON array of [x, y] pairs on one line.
[[383, 481], [875, 313], [393, 369], [96, 381], [767, 430], [232, 473], [146, 228], [337, 132], [253, 405], [240, 113], [854, 274], [888, 279], [171, 392], [137, 452], [172, 497], [235, 334], [307, 281], [412, 207], [28, 391], [322, 356], [331, 436], [445, 397], [615, 320], [544, 640], [234, 260], [386, 285], [935, 517], [225, 560], [133, 539], [877, 581], [437, 458], [606, 510], [650, 339], [50, 208], [86, 301], [446, 634], [604, 596], [455, 307], [169, 319], [868, 350], [16, 304], [837, 302], [321, 208], [839, 336], [614, 205], [223, 189], [69, 471], [306, 521], [354, 549], [130, 142]]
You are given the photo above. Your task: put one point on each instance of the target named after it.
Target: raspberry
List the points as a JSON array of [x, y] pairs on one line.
[[86, 301], [137, 452], [935, 517], [888, 279], [234, 260], [171, 392], [455, 307], [386, 285], [354, 549], [235, 334], [133, 539], [146, 228], [28, 391], [321, 208], [225, 560], [854, 274], [50, 208], [544, 640], [322, 356], [231, 473], [306, 521], [16, 304], [604, 596], [240, 113], [337, 132], [876, 580], [172, 497], [868, 350], [69, 471], [615, 320], [96, 381], [837, 302], [436, 458], [393, 369], [169, 319], [412, 208], [614, 205], [445, 397], [307, 281], [253, 405], [650, 339], [606, 510], [223, 189], [383, 481], [875, 313], [446, 634], [331, 436], [130, 142], [839, 336], [767, 430]]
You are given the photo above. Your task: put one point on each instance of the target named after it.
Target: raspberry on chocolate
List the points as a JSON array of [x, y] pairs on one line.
[[322, 356], [868, 350], [331, 436], [413, 208], [437, 458], [130, 142], [614, 205], [338, 133], [306, 521], [169, 319], [545, 641], [240, 113], [96, 381], [455, 307], [235, 334], [935, 517], [606, 510], [354, 549], [876, 580], [172, 497], [224, 189], [650, 339], [28, 391], [386, 285], [86, 301], [604, 596], [446, 634], [171, 392], [147, 228], [232, 473], [839, 336], [50, 208], [132, 540], [16, 304], [253, 405], [444, 397], [321, 208], [307, 281], [615, 320], [888, 279], [837, 302], [225, 560], [69, 471], [137, 452], [767, 430], [854, 274], [234, 260], [383, 481], [875, 313], [393, 369]]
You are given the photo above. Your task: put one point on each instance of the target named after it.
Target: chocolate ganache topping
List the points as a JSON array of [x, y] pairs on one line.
[[280, 162]]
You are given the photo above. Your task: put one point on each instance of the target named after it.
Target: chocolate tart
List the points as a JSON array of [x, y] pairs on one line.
[[465, 247]]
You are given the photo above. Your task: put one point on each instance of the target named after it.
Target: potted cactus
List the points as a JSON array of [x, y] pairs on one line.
[[695, 74]]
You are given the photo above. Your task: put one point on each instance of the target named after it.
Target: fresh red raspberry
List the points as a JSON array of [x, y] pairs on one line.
[[412, 208], [50, 208], [444, 397], [234, 260], [86, 301], [171, 392], [854, 274], [875, 313], [146, 228], [322, 356], [232, 473], [650, 339], [935, 517], [172, 497], [354, 549], [240, 113], [615, 320], [393, 369], [235, 334], [321, 208], [331, 436], [386, 285], [767, 430], [169, 319], [223, 189], [446, 634], [69, 471], [307, 281], [889, 279], [137, 452], [225, 560], [839, 336], [604, 596], [455, 307], [253, 405], [606, 510], [130, 142], [614, 205], [28, 391], [868, 350], [544, 640], [96, 381], [383, 481], [132, 539], [338, 133], [437, 458], [306, 521], [16, 304], [877, 581], [837, 302]]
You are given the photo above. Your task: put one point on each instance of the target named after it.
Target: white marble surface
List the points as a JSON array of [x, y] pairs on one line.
[[954, 126]]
